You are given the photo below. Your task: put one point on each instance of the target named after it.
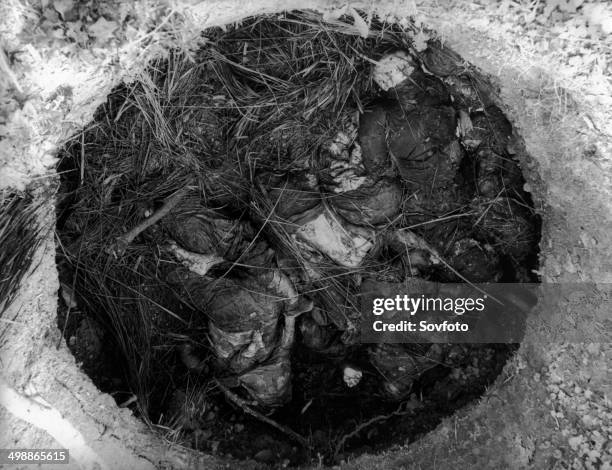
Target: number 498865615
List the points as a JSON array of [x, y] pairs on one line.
[[48, 456]]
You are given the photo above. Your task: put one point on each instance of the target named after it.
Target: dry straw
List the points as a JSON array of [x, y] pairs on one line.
[[264, 94]]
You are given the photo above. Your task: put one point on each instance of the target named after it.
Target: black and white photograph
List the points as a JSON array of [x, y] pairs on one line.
[[317, 234]]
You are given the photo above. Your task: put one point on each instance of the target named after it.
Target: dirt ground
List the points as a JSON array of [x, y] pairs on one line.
[[551, 406]]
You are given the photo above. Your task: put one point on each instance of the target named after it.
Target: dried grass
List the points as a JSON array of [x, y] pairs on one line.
[[20, 236], [262, 94]]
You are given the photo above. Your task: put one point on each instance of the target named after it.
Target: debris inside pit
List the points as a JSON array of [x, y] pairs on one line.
[[217, 219]]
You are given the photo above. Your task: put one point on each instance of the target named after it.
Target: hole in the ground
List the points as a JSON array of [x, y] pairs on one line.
[[218, 216]]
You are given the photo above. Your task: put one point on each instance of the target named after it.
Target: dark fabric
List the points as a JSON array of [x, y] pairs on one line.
[[413, 250], [442, 61], [233, 305], [476, 262], [245, 329], [241, 306], [313, 335], [491, 129], [269, 383], [466, 93], [497, 175], [420, 145], [466, 85], [374, 204], [290, 194], [372, 138], [201, 230], [420, 90]]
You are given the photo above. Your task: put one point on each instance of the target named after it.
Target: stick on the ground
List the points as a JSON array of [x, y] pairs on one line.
[[170, 203], [401, 411], [231, 396]]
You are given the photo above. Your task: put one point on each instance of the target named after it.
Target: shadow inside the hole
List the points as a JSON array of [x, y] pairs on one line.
[[138, 360]]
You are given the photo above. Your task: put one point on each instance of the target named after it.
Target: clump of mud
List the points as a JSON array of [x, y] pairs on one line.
[[218, 218]]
